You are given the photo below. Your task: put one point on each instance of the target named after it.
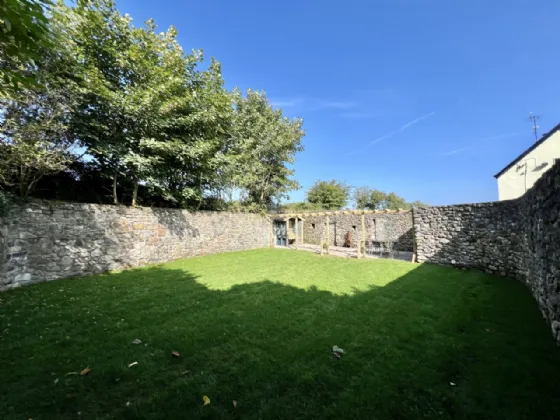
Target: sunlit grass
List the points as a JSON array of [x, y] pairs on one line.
[[257, 327], [292, 268]]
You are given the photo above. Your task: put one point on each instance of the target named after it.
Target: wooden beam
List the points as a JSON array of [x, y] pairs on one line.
[[302, 229], [328, 234], [363, 233], [301, 215], [296, 229]]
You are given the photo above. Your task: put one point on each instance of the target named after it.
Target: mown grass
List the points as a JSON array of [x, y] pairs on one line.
[[257, 327]]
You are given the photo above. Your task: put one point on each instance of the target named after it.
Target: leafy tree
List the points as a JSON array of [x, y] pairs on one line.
[[261, 145], [300, 206], [153, 124], [23, 163], [24, 31], [148, 114], [367, 198], [330, 195], [34, 136], [418, 203], [102, 39], [394, 202], [195, 125]]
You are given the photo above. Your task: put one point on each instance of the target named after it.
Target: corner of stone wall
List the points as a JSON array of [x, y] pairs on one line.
[[515, 238]]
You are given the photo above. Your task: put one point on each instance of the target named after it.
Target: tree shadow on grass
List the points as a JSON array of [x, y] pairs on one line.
[[435, 343]]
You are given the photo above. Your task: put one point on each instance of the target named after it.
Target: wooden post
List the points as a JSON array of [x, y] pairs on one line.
[[363, 234], [272, 233], [302, 229], [296, 229], [328, 234]]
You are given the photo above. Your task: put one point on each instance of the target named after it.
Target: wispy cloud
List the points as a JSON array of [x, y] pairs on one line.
[[360, 115], [403, 127], [392, 133], [456, 151], [322, 104], [286, 102], [312, 103], [483, 139], [502, 136]]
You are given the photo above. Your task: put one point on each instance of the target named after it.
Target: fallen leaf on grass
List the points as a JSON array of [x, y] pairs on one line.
[[136, 341], [133, 364], [234, 404], [85, 371], [206, 400], [185, 372], [175, 354], [452, 383], [71, 373]]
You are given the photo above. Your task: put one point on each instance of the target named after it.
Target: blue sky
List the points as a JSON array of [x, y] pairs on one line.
[[428, 99]]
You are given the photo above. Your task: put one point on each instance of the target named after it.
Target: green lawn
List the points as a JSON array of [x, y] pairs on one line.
[[258, 327]]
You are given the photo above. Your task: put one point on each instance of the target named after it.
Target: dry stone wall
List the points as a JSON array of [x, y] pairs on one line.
[[517, 238], [486, 236], [46, 240], [380, 227]]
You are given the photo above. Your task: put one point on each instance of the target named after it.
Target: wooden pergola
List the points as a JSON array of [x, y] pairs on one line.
[[326, 214], [286, 218]]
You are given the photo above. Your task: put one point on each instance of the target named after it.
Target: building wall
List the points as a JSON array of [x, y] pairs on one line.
[[520, 177], [518, 238], [46, 240], [380, 227]]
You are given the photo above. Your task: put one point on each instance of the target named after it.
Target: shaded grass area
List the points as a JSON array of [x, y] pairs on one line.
[[257, 327]]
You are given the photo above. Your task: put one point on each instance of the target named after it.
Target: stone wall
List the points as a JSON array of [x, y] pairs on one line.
[[380, 227], [46, 240], [486, 236], [517, 238]]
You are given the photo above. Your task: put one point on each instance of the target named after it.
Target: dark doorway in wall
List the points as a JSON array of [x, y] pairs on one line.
[[281, 233]]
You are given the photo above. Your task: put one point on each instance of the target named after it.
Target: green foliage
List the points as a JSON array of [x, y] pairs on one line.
[[261, 144], [300, 206], [3, 204], [371, 199], [329, 195], [153, 125], [418, 203], [367, 198], [23, 163], [395, 202], [34, 137], [24, 31]]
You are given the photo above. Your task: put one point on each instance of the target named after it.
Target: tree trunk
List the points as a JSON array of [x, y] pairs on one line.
[[115, 199], [200, 191], [135, 193], [22, 184]]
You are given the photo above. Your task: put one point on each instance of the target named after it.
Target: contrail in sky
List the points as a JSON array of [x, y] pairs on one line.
[[403, 127]]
